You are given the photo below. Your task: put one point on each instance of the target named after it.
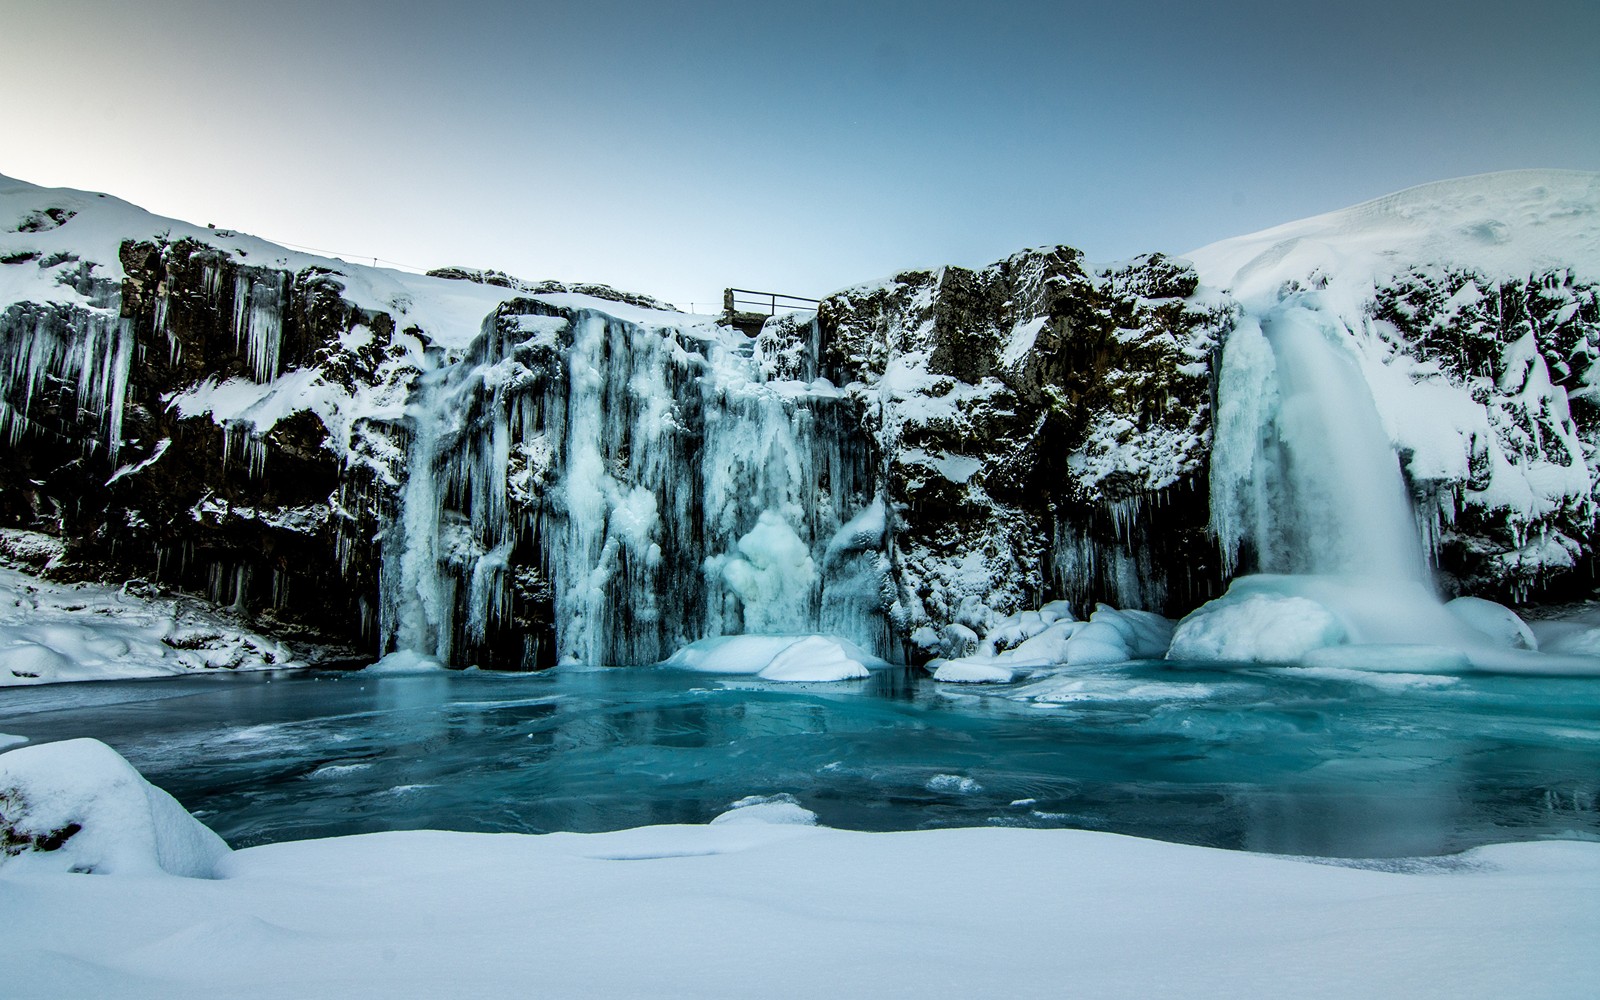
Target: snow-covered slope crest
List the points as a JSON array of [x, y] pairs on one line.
[[62, 229], [1508, 224], [1472, 308]]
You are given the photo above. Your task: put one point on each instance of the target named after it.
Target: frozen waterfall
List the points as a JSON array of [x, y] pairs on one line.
[[1307, 491], [612, 490], [1303, 473]]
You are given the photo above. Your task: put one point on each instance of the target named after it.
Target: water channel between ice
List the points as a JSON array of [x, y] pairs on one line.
[[1329, 762]]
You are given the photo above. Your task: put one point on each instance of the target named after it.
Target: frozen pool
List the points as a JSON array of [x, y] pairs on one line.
[[1331, 762]]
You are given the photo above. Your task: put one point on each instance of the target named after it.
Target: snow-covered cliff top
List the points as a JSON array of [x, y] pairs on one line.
[[45, 232], [1506, 224]]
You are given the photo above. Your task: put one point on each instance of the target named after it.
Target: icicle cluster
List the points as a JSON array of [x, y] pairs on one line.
[[72, 358]]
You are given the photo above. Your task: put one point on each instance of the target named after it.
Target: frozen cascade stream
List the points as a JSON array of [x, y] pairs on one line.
[[613, 489]]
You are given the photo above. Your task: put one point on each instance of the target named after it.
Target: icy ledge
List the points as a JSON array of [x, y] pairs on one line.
[[791, 910]]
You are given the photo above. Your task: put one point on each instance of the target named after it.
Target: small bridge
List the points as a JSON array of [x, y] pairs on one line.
[[746, 310]]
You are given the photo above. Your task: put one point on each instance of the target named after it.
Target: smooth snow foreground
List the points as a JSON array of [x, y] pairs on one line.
[[785, 909]]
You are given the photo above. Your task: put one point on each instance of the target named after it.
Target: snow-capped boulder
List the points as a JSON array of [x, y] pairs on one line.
[[79, 806]]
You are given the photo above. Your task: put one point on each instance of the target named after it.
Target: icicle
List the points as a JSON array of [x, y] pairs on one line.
[[258, 320]]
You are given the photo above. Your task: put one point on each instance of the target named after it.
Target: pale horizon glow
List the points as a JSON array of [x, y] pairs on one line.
[[677, 148]]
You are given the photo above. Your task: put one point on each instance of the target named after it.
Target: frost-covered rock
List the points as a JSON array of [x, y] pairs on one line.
[[1045, 420], [79, 806]]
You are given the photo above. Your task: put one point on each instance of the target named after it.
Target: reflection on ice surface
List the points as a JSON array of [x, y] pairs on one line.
[[1313, 760]]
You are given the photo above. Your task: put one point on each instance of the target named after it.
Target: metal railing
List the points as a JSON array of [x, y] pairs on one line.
[[745, 300]]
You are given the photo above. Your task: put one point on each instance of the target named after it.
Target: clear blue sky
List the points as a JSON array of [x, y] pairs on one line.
[[675, 148]]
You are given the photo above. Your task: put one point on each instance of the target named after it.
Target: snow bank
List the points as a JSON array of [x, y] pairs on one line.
[[777, 657], [78, 806], [404, 661], [789, 911], [54, 632]]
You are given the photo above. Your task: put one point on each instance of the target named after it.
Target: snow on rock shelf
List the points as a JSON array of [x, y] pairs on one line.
[[66, 632]]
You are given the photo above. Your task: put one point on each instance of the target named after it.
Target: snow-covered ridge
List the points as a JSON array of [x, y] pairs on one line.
[[55, 224], [1509, 224]]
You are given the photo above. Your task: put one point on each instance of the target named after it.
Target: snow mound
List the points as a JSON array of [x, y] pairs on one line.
[[782, 809], [1255, 628], [815, 658], [78, 806], [1114, 636], [812, 658], [404, 661]]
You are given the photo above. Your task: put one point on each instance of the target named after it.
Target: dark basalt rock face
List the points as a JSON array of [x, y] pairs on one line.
[[1046, 430], [275, 525]]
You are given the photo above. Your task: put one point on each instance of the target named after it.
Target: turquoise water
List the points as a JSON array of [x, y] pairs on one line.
[[1286, 761]]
